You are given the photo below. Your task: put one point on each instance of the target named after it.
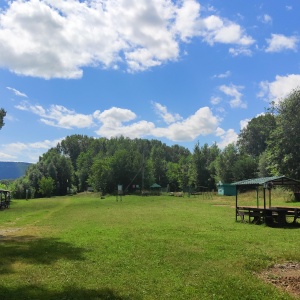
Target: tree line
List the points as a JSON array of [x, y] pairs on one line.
[[268, 146]]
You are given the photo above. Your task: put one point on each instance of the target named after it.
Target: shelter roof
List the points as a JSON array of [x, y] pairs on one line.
[[276, 180], [155, 185]]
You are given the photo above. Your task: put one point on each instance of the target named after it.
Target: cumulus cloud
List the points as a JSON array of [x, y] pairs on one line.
[[234, 92], [280, 42], [162, 111], [244, 123], [119, 121], [228, 137], [280, 88], [58, 116], [218, 30], [203, 122], [57, 39], [27, 152]]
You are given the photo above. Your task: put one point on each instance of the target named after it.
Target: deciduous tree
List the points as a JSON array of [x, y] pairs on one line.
[[284, 143], [2, 115]]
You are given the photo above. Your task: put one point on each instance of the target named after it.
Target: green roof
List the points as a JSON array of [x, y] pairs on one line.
[[276, 180], [155, 185]]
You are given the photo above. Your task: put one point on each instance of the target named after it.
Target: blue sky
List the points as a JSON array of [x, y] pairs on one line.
[[183, 71]]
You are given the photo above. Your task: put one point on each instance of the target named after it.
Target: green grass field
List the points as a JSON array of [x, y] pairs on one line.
[[156, 247]]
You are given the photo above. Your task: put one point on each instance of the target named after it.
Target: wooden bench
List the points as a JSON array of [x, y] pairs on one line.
[[252, 212]]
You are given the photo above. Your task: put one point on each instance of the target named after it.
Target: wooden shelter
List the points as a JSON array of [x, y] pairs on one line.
[[267, 213], [155, 189]]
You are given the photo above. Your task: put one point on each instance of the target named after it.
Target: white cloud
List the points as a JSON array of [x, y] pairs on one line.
[[228, 137], [165, 115], [289, 7], [240, 51], [187, 19], [114, 117], [244, 123], [266, 19], [280, 88], [135, 130], [26, 152], [218, 30], [119, 121], [234, 92], [280, 42], [203, 122], [16, 92], [58, 116], [215, 100], [223, 75], [57, 39], [220, 131]]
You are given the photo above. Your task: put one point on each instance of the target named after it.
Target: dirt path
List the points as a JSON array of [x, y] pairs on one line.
[[285, 276]]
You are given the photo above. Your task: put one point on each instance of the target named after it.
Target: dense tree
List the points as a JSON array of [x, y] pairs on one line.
[[101, 175], [253, 138], [245, 167], [263, 165], [284, 142], [159, 165], [2, 115], [22, 189], [185, 178], [46, 186], [173, 171], [225, 162], [203, 158]]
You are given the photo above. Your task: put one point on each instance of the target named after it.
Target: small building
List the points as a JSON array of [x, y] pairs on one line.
[[226, 189]]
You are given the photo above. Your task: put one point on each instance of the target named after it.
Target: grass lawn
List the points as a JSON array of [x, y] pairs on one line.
[[156, 247]]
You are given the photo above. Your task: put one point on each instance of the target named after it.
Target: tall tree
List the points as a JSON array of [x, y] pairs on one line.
[[73, 145], [159, 165], [253, 138], [46, 185], [203, 157], [225, 162], [284, 143], [245, 167], [2, 115]]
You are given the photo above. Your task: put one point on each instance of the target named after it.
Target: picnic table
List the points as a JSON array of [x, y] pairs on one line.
[[272, 215]]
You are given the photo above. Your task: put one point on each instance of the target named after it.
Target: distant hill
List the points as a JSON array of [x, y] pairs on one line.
[[12, 170]]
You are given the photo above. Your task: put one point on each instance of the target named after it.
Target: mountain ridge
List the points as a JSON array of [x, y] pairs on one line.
[[12, 170]]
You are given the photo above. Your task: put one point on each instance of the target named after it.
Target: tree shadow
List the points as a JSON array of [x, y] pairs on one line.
[[32, 250], [34, 292]]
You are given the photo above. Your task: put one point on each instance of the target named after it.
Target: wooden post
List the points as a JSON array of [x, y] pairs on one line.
[[236, 202]]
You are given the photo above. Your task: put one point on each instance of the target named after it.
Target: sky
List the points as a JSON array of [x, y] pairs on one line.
[[183, 72]]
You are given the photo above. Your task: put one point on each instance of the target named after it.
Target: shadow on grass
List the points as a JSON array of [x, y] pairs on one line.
[[34, 292], [32, 250]]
